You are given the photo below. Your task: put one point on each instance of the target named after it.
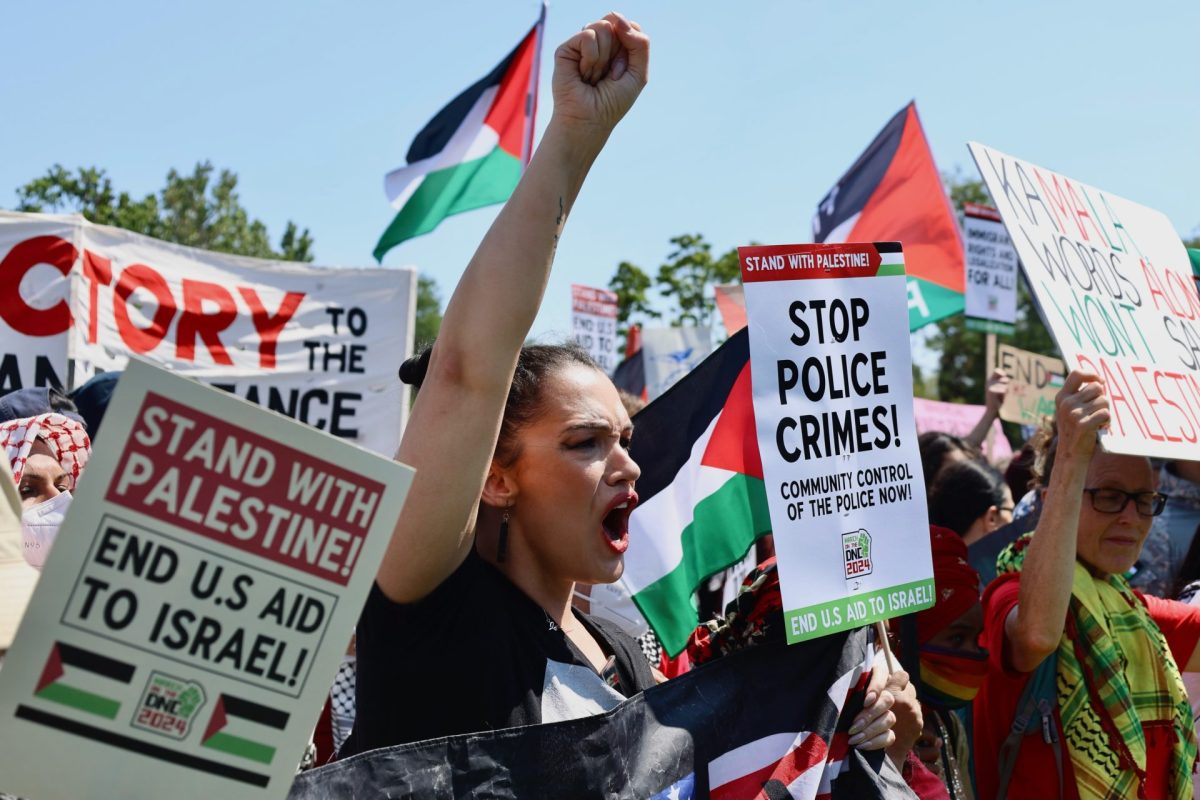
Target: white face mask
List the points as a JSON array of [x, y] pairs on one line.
[[39, 526], [612, 601]]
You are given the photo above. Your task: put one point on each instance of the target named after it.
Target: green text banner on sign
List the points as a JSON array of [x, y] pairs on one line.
[[832, 382], [1114, 284], [197, 602]]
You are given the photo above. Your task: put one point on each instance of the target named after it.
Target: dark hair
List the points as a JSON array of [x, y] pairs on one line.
[[962, 493], [1019, 472], [934, 445], [535, 364], [1189, 570]]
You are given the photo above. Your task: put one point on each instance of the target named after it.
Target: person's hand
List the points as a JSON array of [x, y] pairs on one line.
[[997, 388], [909, 718], [1081, 410], [599, 73], [872, 728]]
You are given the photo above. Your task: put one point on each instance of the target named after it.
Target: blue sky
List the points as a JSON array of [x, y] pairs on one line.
[[753, 110]]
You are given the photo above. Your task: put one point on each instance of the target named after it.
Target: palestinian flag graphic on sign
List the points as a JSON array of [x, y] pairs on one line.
[[238, 726], [471, 154], [893, 193], [702, 502], [84, 680]]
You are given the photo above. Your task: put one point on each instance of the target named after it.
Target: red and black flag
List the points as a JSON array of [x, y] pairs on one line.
[[893, 192]]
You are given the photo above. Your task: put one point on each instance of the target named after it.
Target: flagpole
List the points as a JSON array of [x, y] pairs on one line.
[[881, 635]]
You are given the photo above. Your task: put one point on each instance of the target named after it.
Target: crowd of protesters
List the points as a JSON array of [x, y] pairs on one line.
[[1052, 664]]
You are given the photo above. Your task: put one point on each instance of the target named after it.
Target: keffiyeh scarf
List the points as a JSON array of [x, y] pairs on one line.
[[1115, 674]]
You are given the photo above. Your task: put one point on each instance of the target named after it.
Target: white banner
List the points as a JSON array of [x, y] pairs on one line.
[[594, 320], [1114, 283], [670, 353], [320, 345], [832, 380], [991, 284], [197, 603]]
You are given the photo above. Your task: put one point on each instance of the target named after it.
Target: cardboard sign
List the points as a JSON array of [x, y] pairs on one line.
[[991, 285], [196, 605], [320, 345], [670, 353], [1034, 380], [594, 320], [1113, 283], [832, 380]]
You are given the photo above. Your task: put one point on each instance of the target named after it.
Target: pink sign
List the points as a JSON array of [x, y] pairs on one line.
[[959, 419]]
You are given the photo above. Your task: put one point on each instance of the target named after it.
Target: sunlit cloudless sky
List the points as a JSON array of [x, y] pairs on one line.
[[753, 110]]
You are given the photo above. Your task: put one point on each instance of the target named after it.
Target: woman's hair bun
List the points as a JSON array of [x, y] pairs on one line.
[[412, 371]]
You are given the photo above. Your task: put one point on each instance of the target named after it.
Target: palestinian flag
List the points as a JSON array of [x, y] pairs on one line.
[[893, 193], [1194, 255], [472, 152], [238, 727], [84, 680], [630, 374], [702, 502]]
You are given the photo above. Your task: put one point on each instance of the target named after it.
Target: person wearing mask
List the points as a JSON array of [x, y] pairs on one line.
[[47, 454]]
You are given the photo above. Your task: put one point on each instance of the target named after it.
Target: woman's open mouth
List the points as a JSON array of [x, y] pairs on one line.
[[615, 524]]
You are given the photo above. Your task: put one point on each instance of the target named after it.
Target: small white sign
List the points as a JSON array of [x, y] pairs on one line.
[[594, 320], [991, 281]]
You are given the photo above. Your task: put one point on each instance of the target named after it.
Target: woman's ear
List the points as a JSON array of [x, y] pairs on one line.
[[993, 518], [499, 487]]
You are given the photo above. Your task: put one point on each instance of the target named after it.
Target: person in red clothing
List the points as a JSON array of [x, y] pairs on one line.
[[1120, 725]]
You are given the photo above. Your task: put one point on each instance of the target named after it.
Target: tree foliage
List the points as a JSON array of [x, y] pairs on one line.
[[689, 270], [193, 210], [429, 312]]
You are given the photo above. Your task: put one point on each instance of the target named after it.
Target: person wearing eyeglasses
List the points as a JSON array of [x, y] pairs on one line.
[[1084, 697]]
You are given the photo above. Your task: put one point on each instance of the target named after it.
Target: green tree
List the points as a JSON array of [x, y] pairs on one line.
[[689, 270], [632, 285], [429, 312], [191, 209]]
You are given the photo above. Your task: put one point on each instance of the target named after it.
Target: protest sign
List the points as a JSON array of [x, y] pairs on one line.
[[594, 321], [1114, 286], [1034, 380], [671, 353], [319, 345], [991, 298], [17, 578], [832, 380], [960, 419], [35, 292], [197, 602]]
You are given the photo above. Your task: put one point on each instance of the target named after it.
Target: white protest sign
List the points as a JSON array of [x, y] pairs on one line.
[[594, 320], [36, 261], [991, 281], [1034, 380], [670, 353], [832, 378], [317, 344], [1114, 284], [196, 605]]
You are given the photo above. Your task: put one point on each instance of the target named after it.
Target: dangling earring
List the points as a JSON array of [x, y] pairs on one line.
[[502, 542]]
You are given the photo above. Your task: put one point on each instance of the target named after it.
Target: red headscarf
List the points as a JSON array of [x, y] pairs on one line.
[[67, 439], [955, 580]]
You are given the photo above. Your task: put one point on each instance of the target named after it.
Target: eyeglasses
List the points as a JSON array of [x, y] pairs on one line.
[[1113, 501]]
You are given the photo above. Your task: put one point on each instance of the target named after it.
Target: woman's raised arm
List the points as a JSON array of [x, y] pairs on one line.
[[452, 431]]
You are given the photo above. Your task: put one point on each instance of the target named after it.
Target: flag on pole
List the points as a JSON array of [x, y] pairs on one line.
[[472, 153], [893, 192], [702, 498]]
